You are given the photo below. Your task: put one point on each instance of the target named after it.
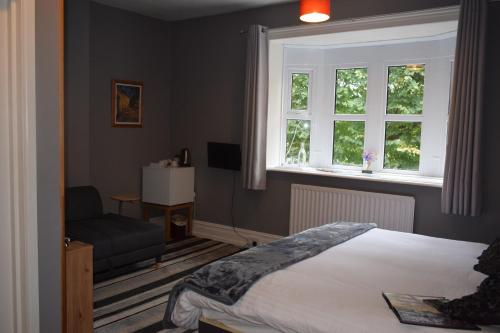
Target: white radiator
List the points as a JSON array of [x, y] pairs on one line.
[[312, 206]]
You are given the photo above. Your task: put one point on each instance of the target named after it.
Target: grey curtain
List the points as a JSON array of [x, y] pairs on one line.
[[462, 176], [255, 110]]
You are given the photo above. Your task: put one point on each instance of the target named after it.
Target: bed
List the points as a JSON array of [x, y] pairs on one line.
[[339, 290]]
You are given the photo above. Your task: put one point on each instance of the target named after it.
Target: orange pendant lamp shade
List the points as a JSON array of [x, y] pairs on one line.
[[314, 11]]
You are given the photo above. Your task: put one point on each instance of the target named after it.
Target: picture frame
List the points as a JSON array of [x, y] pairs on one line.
[[127, 103]]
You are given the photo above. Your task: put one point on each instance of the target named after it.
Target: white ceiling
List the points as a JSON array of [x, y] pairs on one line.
[[174, 10]]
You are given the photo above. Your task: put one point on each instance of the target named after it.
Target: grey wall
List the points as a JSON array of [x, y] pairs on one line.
[[48, 164], [76, 91], [208, 71], [206, 80], [110, 43], [130, 47], [204, 71]]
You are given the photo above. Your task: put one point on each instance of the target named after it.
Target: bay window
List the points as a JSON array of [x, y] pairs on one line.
[[386, 99]]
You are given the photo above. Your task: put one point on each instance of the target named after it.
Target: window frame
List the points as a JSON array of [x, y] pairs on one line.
[[288, 76], [346, 117], [439, 22], [290, 114], [438, 73], [412, 118], [375, 116]]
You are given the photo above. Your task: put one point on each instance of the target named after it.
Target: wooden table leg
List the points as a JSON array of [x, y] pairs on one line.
[[167, 224]]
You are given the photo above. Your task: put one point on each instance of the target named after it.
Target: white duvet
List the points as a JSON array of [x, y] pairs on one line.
[[339, 290]]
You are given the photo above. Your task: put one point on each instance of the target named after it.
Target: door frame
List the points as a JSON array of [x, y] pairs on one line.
[[19, 286]]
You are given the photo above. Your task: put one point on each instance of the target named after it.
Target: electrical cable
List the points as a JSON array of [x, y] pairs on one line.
[[248, 243]]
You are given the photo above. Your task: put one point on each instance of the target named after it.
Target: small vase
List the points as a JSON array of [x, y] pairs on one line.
[[302, 156], [367, 168]]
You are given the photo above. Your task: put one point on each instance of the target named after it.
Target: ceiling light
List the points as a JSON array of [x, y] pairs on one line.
[[314, 11]]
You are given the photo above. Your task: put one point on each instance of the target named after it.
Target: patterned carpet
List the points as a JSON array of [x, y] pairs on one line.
[[135, 301]]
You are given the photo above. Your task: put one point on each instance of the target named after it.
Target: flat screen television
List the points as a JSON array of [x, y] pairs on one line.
[[224, 155]]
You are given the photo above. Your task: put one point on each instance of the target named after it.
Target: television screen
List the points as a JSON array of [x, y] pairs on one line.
[[224, 155]]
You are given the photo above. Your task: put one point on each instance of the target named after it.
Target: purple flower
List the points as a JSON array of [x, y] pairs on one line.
[[368, 156]]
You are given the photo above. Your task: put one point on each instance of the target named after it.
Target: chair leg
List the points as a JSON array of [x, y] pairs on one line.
[[158, 259]]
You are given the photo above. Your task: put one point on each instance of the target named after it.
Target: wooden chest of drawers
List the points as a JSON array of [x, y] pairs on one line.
[[79, 288]]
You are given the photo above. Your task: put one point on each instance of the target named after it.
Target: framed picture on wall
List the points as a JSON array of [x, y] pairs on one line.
[[127, 103]]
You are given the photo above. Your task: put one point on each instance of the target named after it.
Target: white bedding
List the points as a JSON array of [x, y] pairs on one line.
[[339, 290]]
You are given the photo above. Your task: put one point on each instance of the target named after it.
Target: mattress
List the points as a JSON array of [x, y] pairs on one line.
[[339, 290]]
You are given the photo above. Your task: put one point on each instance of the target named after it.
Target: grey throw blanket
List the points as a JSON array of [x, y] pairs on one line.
[[227, 279]]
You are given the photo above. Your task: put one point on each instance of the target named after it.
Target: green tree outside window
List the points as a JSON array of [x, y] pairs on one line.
[[405, 89], [350, 90], [348, 142], [402, 145], [297, 132], [300, 91]]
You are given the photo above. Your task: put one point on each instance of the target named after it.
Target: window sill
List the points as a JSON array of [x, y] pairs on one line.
[[376, 177]]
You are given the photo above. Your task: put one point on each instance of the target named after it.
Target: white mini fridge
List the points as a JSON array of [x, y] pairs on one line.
[[168, 186]]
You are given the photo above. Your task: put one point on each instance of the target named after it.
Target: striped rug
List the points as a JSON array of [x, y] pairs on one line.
[[135, 301]]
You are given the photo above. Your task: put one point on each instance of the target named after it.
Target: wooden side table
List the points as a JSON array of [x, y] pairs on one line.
[[124, 198], [168, 212]]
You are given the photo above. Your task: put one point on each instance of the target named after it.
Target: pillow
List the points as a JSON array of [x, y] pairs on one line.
[[489, 260], [82, 203], [481, 308]]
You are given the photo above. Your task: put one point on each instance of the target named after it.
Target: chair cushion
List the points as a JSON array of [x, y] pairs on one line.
[[82, 203], [101, 265], [113, 234], [87, 233], [128, 234]]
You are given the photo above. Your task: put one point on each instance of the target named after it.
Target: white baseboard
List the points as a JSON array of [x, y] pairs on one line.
[[224, 233]]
